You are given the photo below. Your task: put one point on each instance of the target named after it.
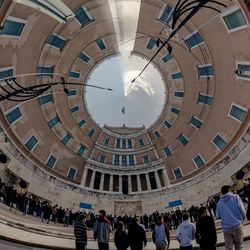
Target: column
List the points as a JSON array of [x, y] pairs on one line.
[[102, 182], [120, 184], [91, 185], [111, 183], [138, 183], [165, 177], [157, 179], [129, 184], [148, 182], [84, 174]]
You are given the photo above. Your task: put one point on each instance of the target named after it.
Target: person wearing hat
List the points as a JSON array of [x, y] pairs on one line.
[[102, 229], [231, 211], [80, 232]]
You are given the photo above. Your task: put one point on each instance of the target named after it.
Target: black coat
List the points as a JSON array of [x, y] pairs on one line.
[[136, 237]]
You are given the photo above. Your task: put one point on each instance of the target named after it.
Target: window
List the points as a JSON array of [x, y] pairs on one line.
[[177, 75], [66, 138], [72, 92], [71, 173], [177, 173], [151, 43], [243, 71], [167, 151], [124, 160], [235, 20], [205, 99], [118, 143], [102, 159], [13, 115], [91, 133], [198, 161], [84, 57], [175, 110], [179, 94], [197, 123], [124, 143], [51, 161], [56, 41], [100, 43], [205, 70], [54, 121], [106, 141], [6, 73], [117, 160], [157, 134], [129, 143], [182, 139], [31, 143], [81, 150], [167, 58], [237, 112], [219, 142], [12, 27], [131, 160], [81, 123], [152, 180], [168, 124], [141, 142], [145, 159], [194, 40], [83, 16], [74, 74], [166, 14], [45, 70], [74, 109], [46, 99]]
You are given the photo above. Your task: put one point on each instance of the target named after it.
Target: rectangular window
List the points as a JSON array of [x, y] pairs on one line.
[[141, 142], [45, 70], [102, 159], [168, 124], [72, 92], [81, 123], [74, 109], [106, 141], [175, 110], [197, 123], [235, 20], [124, 144], [179, 94], [66, 138], [177, 75], [56, 41], [157, 134], [54, 121], [81, 150], [84, 57], [131, 160], [167, 58], [6, 73], [205, 99], [74, 74], [129, 143], [12, 27], [151, 43], [118, 143], [51, 161], [205, 70], [124, 160], [31, 143], [100, 43], [117, 160], [237, 112], [166, 14], [243, 71], [194, 40], [46, 99], [198, 161], [83, 16], [177, 173], [182, 139], [72, 173], [167, 151], [145, 159], [13, 115], [219, 142], [91, 133]]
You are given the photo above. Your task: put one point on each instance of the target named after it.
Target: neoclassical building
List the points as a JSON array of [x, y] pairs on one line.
[[199, 140]]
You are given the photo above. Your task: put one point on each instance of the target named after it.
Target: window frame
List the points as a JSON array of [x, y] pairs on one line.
[[98, 45], [74, 174], [222, 139], [192, 34], [237, 106], [17, 20], [34, 145], [180, 172], [10, 110], [60, 37], [48, 160], [201, 159]]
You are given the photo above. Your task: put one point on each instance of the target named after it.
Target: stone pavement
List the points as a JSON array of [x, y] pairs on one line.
[[27, 230]]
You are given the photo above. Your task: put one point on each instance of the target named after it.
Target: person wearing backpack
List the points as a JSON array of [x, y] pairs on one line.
[[161, 236]]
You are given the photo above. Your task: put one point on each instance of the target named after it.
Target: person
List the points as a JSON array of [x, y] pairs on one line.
[[80, 232], [102, 229], [161, 236], [66, 218], [231, 211], [120, 237], [185, 233], [136, 235], [205, 234]]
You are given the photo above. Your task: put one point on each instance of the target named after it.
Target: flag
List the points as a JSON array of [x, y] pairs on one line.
[[123, 110]]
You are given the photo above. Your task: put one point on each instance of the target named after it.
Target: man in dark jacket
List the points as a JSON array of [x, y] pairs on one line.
[[205, 231], [80, 231], [136, 235]]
